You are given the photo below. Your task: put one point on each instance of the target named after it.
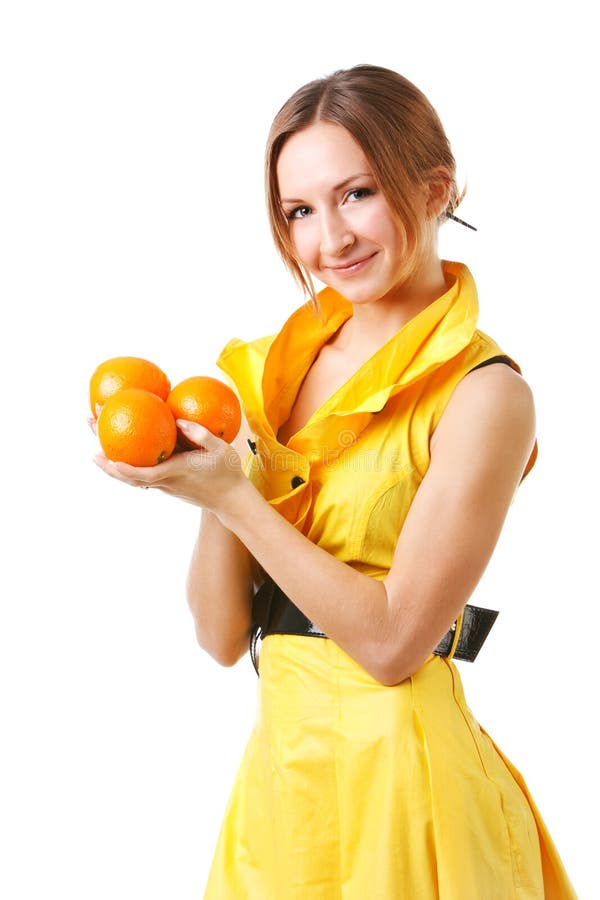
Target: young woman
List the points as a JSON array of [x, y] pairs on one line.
[[387, 439]]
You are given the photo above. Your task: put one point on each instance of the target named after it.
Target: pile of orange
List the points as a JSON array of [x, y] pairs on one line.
[[135, 408]]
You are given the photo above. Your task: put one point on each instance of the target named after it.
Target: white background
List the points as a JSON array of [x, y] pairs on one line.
[[132, 222]]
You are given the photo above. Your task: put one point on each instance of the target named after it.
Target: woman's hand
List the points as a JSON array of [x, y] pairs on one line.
[[209, 476]]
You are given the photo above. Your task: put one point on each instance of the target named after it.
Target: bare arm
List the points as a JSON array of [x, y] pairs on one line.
[[220, 583], [478, 454], [219, 591]]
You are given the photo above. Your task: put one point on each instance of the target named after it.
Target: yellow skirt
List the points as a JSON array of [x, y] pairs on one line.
[[352, 790]]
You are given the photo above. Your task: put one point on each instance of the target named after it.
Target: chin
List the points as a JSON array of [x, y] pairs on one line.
[[359, 293]]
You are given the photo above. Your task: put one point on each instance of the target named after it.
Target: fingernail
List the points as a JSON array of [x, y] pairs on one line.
[[184, 424]]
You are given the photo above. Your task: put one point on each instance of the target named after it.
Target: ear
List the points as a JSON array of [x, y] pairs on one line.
[[439, 185]]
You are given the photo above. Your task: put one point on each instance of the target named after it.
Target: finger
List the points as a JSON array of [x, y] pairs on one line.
[[136, 476], [92, 423], [107, 465], [199, 435]]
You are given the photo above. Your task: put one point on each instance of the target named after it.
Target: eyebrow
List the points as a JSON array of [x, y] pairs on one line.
[[337, 187]]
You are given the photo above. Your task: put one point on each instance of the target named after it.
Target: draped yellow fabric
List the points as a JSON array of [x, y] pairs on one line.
[[348, 788]]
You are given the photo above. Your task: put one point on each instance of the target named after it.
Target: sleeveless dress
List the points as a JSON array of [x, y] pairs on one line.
[[348, 788]]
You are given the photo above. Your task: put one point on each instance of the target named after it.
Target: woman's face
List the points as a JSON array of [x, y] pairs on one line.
[[341, 226]]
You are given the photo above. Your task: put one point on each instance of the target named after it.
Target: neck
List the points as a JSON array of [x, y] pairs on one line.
[[374, 323]]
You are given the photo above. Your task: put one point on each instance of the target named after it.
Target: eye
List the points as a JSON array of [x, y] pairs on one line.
[[300, 212], [360, 194]]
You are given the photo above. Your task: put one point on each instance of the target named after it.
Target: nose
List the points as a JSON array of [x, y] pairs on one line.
[[336, 235]]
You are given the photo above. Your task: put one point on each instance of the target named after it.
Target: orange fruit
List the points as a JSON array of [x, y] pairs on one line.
[[126, 372], [208, 402], [136, 427]]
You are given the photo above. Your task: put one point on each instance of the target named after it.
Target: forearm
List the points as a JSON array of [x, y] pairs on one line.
[[219, 591], [349, 607]]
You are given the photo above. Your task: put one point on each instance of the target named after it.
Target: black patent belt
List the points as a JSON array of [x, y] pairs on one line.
[[274, 613]]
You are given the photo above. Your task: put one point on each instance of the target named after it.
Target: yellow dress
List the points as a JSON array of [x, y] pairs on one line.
[[348, 788]]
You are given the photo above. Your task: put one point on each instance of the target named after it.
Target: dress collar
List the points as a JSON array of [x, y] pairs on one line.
[[268, 373], [437, 333]]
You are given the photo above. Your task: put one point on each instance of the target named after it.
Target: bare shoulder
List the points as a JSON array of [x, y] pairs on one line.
[[488, 404], [479, 452], [500, 380]]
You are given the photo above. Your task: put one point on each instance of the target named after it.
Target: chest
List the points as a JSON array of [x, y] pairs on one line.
[[327, 374], [363, 485]]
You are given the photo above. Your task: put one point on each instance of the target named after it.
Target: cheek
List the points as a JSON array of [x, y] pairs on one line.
[[304, 242], [382, 229]]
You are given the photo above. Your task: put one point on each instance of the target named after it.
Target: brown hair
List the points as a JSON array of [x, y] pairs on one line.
[[399, 132]]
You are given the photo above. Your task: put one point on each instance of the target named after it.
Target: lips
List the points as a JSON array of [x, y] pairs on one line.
[[352, 266]]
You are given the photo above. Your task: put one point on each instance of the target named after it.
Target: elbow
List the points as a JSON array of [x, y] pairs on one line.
[[396, 665], [226, 654], [391, 676], [386, 669], [404, 644], [227, 660], [392, 679]]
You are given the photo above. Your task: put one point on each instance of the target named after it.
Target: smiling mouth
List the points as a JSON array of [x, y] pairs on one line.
[[351, 267]]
